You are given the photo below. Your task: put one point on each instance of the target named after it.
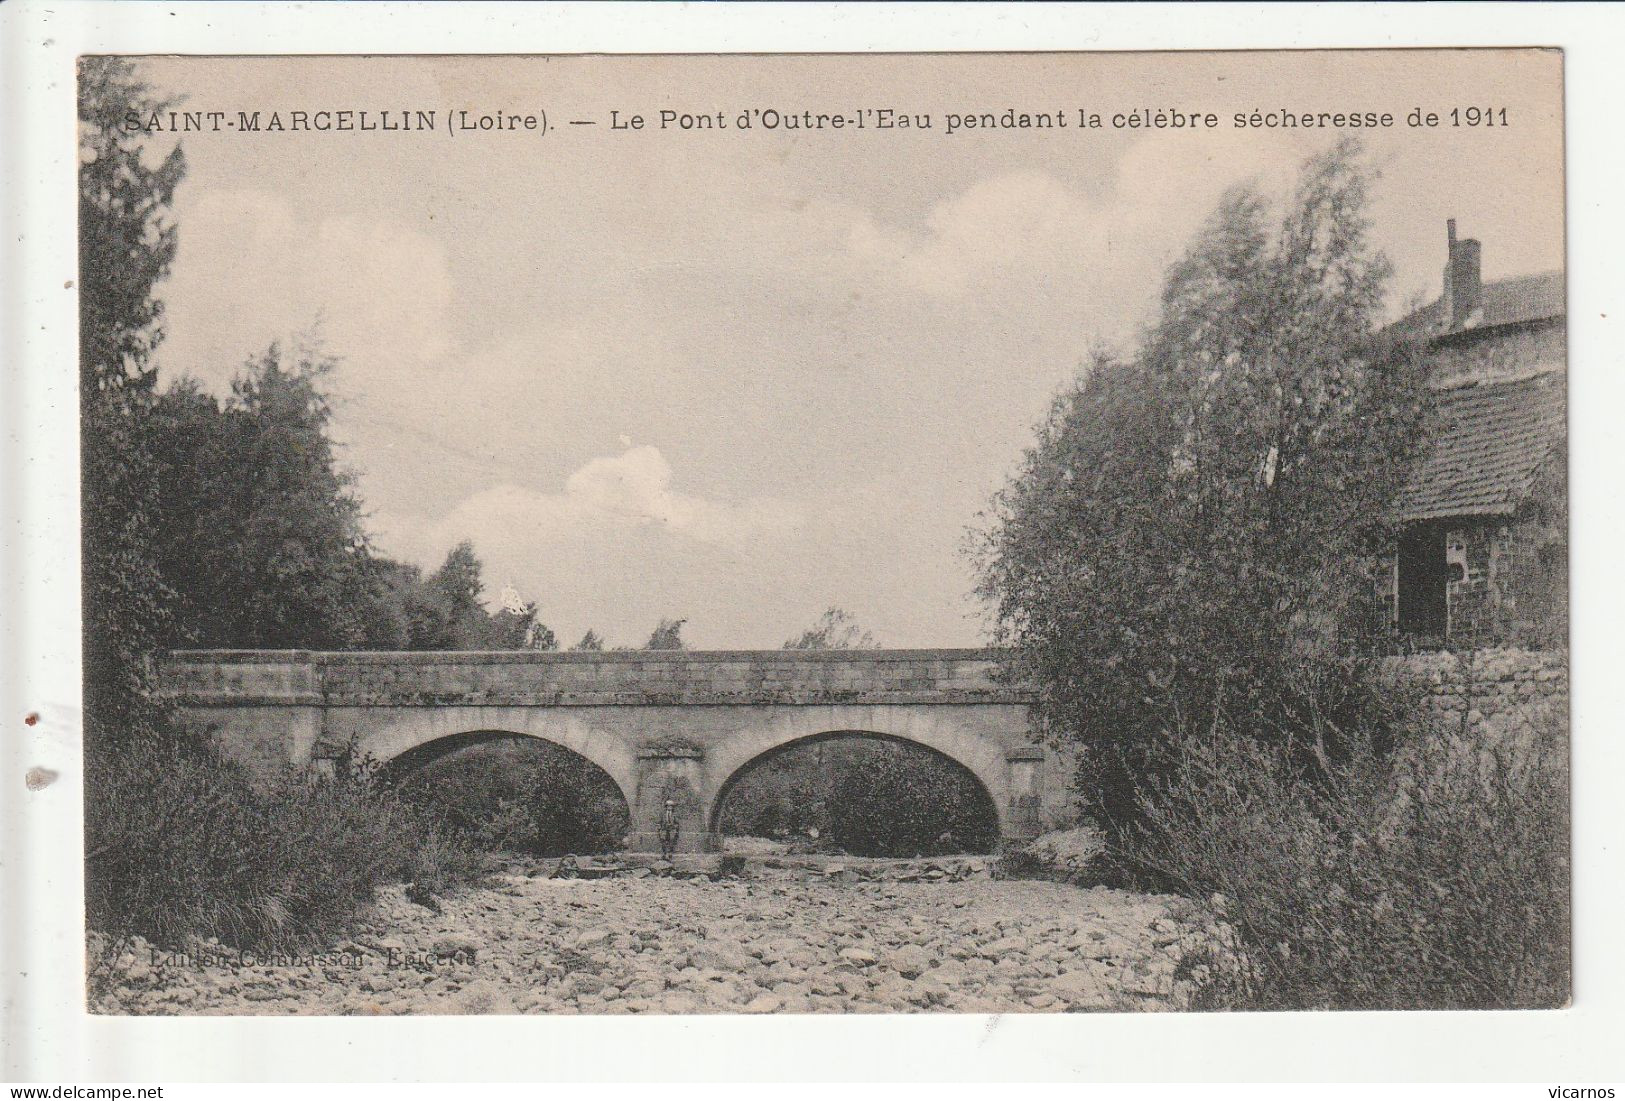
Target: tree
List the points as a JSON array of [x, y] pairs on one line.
[[514, 626], [835, 630], [1190, 537], [261, 536], [126, 244], [126, 235], [458, 581], [590, 642], [667, 636], [445, 611]]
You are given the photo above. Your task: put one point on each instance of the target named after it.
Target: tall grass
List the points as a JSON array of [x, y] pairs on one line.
[[180, 843], [1436, 876]]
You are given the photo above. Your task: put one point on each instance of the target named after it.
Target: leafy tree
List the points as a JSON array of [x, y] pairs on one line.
[[261, 537], [667, 636], [385, 622], [443, 611], [1191, 535], [126, 244], [591, 641], [514, 626], [126, 235], [835, 630], [458, 581], [305, 580]]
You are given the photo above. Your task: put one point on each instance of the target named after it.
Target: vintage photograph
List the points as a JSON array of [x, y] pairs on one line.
[[818, 534]]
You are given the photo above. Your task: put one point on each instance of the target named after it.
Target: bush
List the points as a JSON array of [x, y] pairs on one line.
[[867, 795], [179, 843], [1434, 878], [907, 804], [522, 795]]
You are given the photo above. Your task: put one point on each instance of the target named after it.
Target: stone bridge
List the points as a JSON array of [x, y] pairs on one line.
[[662, 724]]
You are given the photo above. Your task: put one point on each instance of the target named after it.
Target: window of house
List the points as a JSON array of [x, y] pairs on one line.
[[1422, 576]]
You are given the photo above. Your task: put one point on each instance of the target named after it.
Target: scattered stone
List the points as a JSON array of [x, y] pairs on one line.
[[654, 944]]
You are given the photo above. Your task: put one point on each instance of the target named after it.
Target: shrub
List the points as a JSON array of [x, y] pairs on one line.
[[522, 795], [906, 804], [1435, 878], [180, 843]]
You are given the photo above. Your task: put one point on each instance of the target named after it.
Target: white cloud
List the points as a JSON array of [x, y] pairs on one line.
[[998, 226], [253, 269], [1021, 230], [604, 500], [617, 548]]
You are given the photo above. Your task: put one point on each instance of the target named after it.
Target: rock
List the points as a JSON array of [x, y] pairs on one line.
[[764, 1003], [929, 992], [377, 984], [1080, 985], [910, 961], [677, 1001], [581, 982], [590, 937], [484, 998], [862, 957], [721, 958], [452, 945]]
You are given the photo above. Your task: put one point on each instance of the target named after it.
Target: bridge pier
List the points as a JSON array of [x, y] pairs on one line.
[[675, 772]]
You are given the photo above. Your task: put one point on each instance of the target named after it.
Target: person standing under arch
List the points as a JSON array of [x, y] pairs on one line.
[[669, 830]]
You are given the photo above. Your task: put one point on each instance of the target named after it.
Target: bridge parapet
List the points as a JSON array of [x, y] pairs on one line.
[[215, 678]]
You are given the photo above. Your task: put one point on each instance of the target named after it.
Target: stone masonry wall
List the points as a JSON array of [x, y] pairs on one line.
[[637, 678], [1500, 694]]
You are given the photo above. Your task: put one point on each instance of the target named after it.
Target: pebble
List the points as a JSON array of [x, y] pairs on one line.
[[530, 944]]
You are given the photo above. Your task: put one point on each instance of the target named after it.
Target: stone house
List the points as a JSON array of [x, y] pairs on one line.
[[1481, 558]]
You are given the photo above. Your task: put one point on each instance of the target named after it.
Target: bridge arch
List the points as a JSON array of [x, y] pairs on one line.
[[731, 786], [982, 757], [416, 734]]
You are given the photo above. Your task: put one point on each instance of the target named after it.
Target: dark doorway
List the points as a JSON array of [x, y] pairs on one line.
[[1423, 576]]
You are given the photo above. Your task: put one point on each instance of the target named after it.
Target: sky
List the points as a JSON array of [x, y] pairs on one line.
[[739, 376]]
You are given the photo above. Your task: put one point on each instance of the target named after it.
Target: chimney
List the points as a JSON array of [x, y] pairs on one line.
[[1463, 279]]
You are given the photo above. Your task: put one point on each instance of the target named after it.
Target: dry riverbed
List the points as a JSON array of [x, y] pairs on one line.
[[658, 945]]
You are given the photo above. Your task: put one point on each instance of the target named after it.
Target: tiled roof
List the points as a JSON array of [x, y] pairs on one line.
[[1488, 441], [1503, 302]]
